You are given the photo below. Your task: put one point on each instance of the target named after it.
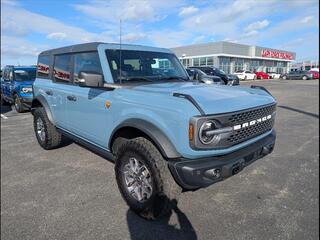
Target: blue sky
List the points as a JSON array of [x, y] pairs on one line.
[[31, 26]]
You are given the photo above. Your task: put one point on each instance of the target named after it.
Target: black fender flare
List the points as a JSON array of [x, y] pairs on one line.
[[44, 104], [161, 141]]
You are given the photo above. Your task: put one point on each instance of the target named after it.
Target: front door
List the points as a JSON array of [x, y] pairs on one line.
[[88, 115]]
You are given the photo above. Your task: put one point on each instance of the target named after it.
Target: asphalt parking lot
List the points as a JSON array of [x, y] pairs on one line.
[[71, 193]]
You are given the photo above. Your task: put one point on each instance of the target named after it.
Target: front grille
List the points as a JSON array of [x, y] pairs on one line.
[[246, 133], [251, 114]]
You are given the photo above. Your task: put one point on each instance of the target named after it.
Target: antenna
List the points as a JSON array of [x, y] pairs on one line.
[[120, 53]]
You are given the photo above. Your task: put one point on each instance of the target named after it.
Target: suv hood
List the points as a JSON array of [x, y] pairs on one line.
[[213, 99], [26, 83]]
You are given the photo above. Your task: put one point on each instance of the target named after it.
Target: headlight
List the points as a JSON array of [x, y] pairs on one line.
[[26, 90], [204, 133]]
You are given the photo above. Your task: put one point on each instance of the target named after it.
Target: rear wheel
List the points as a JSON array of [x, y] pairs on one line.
[[18, 105], [304, 78], [46, 133], [144, 179], [284, 77]]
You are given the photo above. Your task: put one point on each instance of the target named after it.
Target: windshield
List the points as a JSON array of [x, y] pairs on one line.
[[145, 66], [25, 74]]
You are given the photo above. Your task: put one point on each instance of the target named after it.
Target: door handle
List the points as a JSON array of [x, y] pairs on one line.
[[72, 98], [49, 92]]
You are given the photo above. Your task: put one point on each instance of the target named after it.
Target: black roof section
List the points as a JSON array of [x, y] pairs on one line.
[[84, 47]]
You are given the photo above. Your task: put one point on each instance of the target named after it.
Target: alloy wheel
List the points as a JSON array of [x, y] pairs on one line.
[[137, 179], [41, 130]]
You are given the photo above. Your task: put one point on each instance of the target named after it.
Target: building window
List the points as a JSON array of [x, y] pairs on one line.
[[209, 61], [239, 64], [185, 62], [225, 64], [196, 62], [203, 61]]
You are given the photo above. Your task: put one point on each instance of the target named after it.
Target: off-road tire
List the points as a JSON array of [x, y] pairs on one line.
[[18, 104], [165, 189], [53, 138]]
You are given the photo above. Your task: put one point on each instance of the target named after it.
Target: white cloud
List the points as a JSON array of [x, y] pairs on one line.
[[169, 38], [133, 37], [57, 36], [128, 10], [17, 18], [10, 2], [188, 11], [199, 39], [250, 33], [257, 25], [307, 19]]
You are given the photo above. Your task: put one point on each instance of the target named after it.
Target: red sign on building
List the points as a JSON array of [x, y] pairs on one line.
[[276, 54]]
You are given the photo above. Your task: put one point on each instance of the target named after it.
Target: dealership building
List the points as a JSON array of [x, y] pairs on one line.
[[231, 57]]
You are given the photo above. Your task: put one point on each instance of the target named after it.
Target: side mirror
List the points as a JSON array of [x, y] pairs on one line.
[[90, 79]]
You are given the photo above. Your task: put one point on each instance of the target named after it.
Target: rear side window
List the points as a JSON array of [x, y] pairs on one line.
[[62, 68], [86, 62], [43, 67]]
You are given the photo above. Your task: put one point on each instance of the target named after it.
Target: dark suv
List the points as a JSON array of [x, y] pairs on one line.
[[304, 75], [228, 79]]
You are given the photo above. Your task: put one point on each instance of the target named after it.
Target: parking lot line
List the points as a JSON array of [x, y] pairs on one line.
[[3, 116]]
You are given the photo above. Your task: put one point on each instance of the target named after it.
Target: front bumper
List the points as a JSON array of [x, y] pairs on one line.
[[198, 173]]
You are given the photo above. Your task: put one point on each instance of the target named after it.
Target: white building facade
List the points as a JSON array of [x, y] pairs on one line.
[[231, 57]]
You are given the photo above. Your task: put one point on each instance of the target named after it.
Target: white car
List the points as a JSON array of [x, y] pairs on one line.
[[245, 75], [274, 75]]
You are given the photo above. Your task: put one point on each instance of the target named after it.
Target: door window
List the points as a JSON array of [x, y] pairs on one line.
[[86, 62], [43, 67], [62, 68]]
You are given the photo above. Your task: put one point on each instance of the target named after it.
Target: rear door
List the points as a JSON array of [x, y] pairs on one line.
[[62, 86]]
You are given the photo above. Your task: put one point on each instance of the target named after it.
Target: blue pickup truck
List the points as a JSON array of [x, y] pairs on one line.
[[16, 86], [137, 106]]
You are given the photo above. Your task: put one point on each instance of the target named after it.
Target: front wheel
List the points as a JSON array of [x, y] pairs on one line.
[[18, 104], [284, 77], [304, 78], [144, 179]]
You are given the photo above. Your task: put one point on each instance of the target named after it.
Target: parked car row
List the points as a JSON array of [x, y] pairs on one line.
[[205, 73]]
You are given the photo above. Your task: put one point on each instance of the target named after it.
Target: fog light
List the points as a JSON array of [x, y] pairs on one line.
[[213, 173]]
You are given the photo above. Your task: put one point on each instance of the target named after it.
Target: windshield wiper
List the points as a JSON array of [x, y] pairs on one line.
[[174, 77], [129, 79]]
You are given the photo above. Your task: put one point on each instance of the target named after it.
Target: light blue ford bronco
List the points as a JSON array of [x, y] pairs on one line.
[[136, 106]]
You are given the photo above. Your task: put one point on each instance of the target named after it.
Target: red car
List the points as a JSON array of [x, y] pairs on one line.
[[262, 75], [315, 74]]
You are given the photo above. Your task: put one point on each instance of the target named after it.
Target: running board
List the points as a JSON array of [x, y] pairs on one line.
[[100, 151]]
